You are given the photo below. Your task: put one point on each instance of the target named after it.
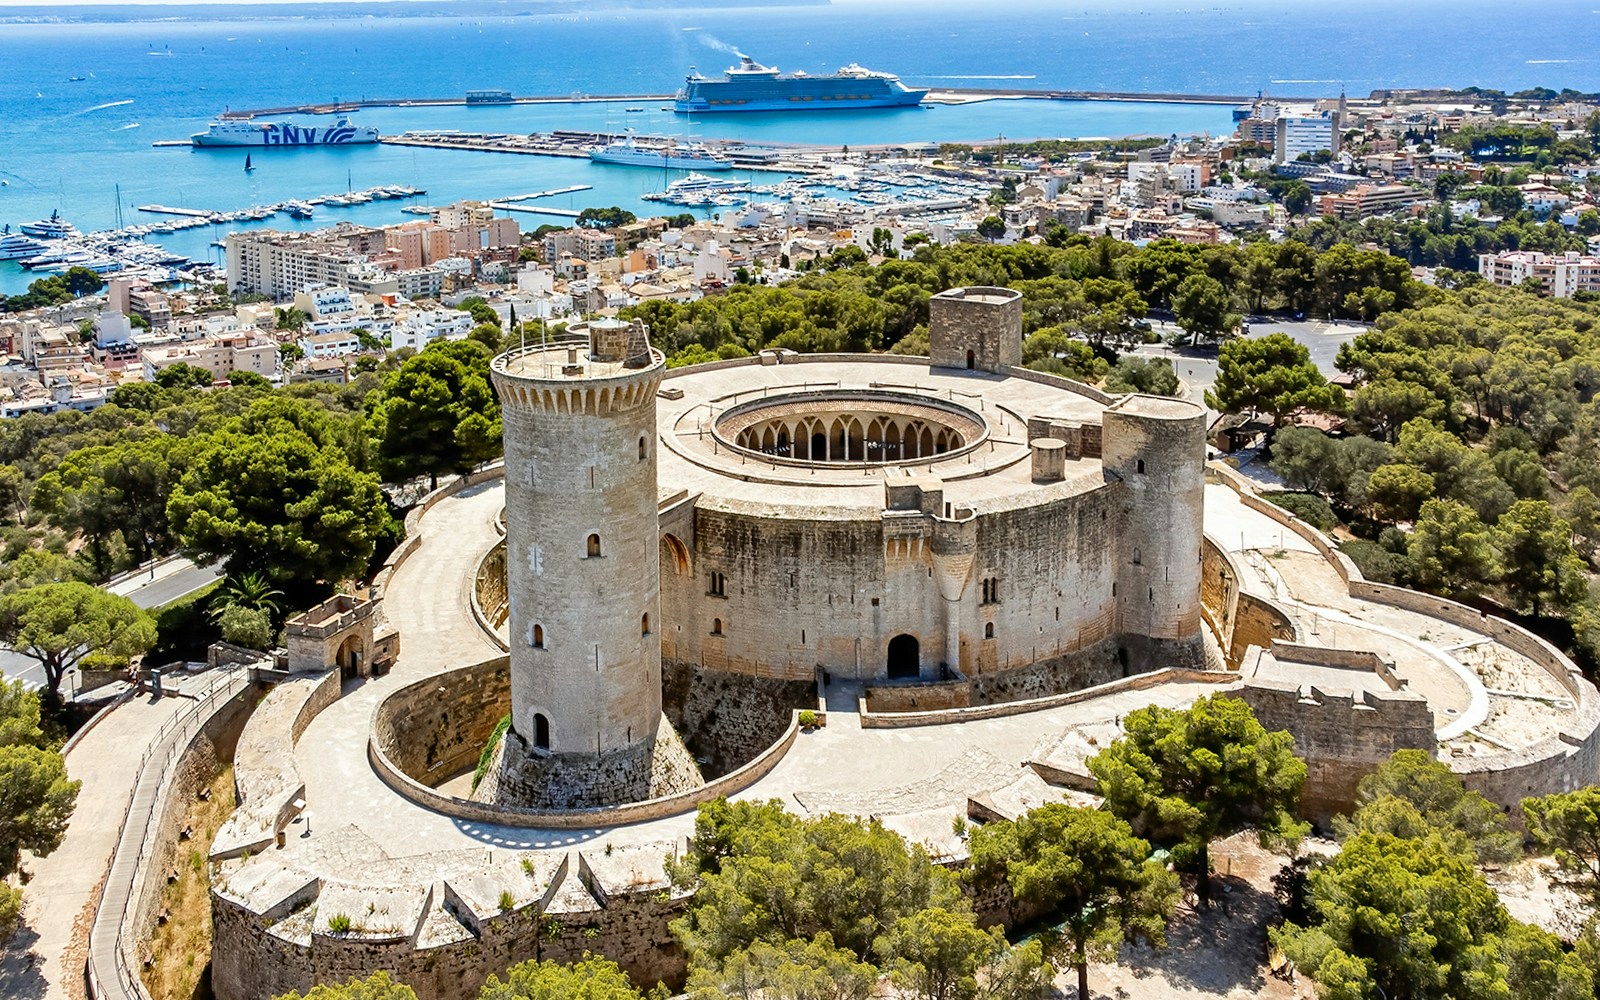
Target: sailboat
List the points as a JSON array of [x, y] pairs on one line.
[[247, 165]]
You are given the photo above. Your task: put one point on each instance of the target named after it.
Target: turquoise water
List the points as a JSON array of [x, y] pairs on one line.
[[69, 145]]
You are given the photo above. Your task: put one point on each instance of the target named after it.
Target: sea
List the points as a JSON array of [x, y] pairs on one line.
[[85, 93]]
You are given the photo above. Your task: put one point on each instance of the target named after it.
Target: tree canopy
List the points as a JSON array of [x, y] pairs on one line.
[[1273, 375], [438, 413], [64, 624], [1413, 795], [1085, 868], [1186, 777]]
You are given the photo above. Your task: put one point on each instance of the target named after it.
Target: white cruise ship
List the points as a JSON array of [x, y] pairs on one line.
[[678, 156], [252, 133]]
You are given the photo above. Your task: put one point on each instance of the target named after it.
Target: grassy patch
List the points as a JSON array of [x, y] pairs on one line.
[[488, 750], [181, 948]]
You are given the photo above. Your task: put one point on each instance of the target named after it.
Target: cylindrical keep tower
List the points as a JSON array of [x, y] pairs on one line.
[[582, 562], [1156, 447]]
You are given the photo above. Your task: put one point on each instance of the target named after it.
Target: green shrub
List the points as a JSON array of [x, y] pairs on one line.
[[507, 901], [488, 750], [1374, 561], [247, 627], [1307, 507], [10, 911], [339, 923], [808, 718], [184, 628]]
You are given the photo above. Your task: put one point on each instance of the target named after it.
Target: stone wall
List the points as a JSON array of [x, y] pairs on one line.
[[195, 768], [1136, 682], [1342, 736], [797, 594], [491, 605], [656, 767], [729, 719], [918, 697], [389, 728], [1219, 591], [627, 919], [436, 728], [1259, 623]]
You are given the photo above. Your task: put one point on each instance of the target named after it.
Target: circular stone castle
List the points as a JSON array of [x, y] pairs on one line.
[[970, 572], [877, 519]]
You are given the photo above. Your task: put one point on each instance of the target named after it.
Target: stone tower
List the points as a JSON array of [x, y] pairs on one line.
[[979, 329], [1156, 447], [582, 576]]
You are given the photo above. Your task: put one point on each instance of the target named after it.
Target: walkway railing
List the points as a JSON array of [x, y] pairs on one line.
[[111, 973]]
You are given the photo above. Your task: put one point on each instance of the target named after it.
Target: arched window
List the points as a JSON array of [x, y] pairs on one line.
[[541, 731], [644, 624], [988, 630], [1139, 468], [972, 360], [716, 626], [643, 450], [594, 546], [1137, 557], [536, 637]]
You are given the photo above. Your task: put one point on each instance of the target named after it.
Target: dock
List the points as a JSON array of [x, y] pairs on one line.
[[192, 213], [544, 194], [565, 213]]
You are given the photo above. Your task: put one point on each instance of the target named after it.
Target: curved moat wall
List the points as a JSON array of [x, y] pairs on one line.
[[436, 727]]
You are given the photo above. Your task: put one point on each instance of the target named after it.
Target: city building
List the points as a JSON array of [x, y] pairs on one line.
[[221, 356], [1297, 135], [1364, 200], [1560, 275]]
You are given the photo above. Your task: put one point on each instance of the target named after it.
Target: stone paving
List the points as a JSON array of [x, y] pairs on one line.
[[358, 832], [44, 961], [1476, 686]]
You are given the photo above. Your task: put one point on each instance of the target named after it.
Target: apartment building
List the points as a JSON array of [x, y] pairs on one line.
[[1561, 275]]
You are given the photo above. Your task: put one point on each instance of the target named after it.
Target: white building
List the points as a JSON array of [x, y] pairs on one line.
[[1560, 274], [1305, 134], [415, 329]]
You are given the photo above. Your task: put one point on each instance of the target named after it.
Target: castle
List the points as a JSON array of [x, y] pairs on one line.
[[734, 529], [965, 571]]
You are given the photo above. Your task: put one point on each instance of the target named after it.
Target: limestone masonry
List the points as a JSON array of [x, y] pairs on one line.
[[971, 572]]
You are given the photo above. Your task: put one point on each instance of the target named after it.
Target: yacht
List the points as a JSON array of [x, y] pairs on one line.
[[52, 228], [15, 246]]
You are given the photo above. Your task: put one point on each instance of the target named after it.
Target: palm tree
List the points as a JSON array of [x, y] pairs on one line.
[[252, 591]]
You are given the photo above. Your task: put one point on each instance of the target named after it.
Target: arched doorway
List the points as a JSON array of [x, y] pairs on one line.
[[972, 361], [905, 658], [350, 657]]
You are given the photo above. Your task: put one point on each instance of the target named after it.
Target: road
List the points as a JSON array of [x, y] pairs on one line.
[[163, 583], [1197, 366]]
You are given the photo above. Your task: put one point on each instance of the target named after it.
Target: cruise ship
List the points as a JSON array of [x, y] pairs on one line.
[[677, 156], [751, 86], [252, 133]]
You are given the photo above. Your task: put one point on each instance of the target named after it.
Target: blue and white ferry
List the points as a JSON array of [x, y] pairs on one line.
[[253, 133]]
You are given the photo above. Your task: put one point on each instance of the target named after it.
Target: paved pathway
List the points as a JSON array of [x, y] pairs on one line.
[[926, 772], [45, 960]]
